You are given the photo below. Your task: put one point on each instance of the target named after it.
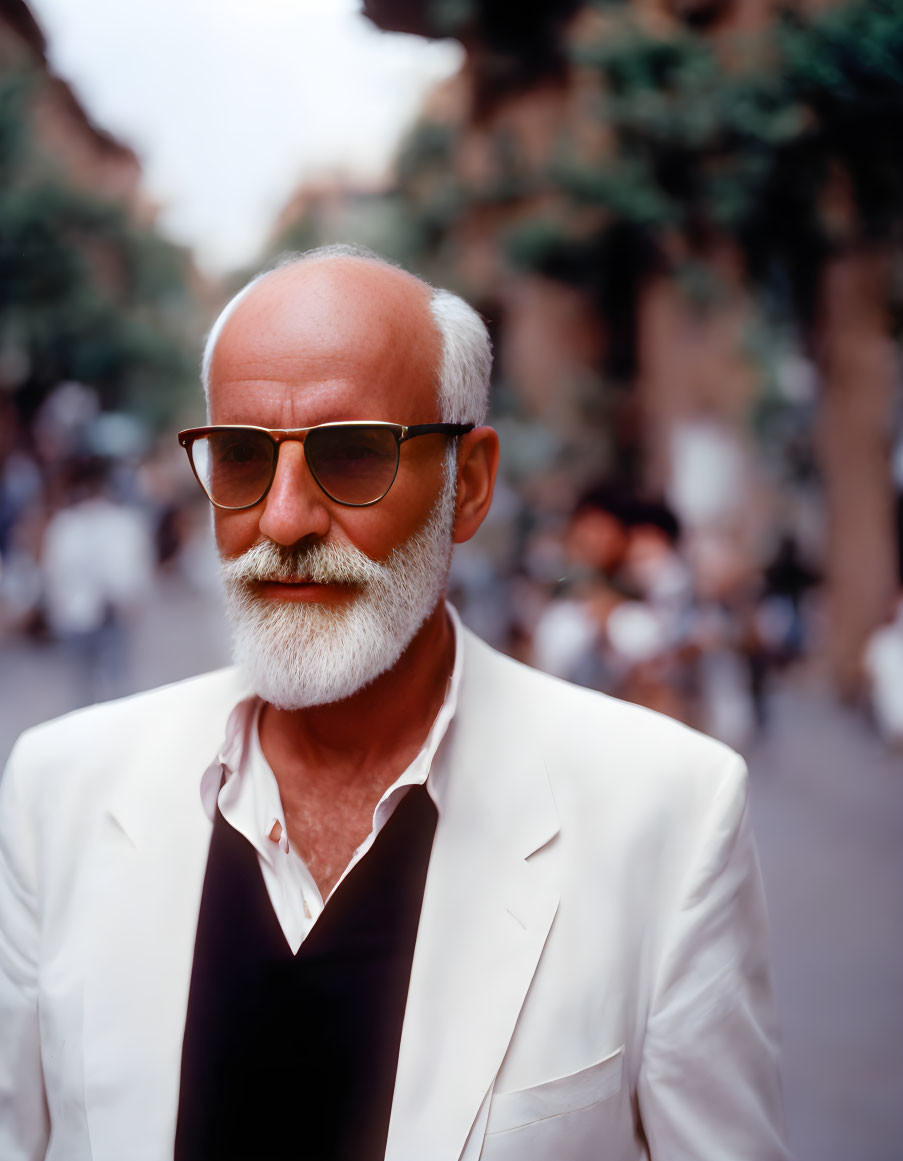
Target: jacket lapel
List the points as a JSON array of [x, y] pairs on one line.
[[486, 914], [146, 877]]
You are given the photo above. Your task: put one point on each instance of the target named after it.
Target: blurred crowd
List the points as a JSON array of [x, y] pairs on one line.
[[615, 597], [631, 595], [665, 602], [92, 517]]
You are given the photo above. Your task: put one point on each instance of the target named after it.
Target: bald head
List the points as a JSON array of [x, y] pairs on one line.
[[317, 314], [320, 301]]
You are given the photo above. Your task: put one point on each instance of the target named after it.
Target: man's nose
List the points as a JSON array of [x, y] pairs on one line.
[[295, 507]]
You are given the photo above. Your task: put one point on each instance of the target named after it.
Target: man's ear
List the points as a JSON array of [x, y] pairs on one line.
[[478, 461]]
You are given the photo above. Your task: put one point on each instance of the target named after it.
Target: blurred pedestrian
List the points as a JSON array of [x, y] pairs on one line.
[[569, 638], [883, 665], [781, 617], [97, 565], [652, 630]]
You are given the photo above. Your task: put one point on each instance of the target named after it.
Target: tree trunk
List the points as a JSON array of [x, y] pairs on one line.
[[858, 365], [694, 373]]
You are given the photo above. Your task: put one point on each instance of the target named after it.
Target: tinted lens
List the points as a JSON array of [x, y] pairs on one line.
[[235, 467], [355, 464]]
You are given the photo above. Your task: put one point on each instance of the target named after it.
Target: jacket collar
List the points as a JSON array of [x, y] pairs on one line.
[[157, 789], [488, 906]]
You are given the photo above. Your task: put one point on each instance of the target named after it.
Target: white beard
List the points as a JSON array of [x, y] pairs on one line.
[[299, 654]]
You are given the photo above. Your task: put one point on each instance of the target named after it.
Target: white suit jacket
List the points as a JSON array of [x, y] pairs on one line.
[[590, 980]]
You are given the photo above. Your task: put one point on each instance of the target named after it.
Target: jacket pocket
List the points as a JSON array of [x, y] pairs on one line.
[[564, 1094]]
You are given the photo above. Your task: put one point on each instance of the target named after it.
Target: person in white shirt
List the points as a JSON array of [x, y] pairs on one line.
[[97, 568], [537, 907]]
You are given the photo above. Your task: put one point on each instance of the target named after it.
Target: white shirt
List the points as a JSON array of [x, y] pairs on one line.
[[241, 782], [97, 554]]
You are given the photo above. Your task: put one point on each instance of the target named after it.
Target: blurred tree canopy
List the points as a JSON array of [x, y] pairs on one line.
[[514, 49], [786, 144], [783, 142], [86, 293]]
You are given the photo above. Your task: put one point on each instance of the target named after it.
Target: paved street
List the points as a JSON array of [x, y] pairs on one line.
[[828, 807]]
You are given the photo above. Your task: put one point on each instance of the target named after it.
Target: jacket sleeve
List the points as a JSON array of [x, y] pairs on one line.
[[709, 1087], [24, 1121]]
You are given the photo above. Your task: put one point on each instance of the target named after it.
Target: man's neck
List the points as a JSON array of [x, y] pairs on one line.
[[378, 729], [334, 762]]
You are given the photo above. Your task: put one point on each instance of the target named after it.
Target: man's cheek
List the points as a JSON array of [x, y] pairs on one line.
[[234, 532]]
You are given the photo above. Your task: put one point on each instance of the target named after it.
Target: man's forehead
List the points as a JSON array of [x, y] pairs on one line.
[[331, 309]]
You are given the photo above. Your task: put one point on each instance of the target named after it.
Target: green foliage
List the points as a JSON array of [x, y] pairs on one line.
[[451, 17], [87, 293], [849, 55], [428, 147], [700, 144], [626, 189], [785, 145], [788, 146], [696, 144], [432, 196], [846, 69], [537, 242], [14, 90]]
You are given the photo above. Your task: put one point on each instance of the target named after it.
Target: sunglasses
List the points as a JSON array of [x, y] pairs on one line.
[[354, 463]]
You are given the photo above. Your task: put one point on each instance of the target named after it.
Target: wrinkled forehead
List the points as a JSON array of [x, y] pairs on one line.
[[322, 319]]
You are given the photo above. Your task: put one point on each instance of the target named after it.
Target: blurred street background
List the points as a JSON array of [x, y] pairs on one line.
[[682, 221]]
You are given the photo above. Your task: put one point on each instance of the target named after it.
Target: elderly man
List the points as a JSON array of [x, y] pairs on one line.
[[378, 891]]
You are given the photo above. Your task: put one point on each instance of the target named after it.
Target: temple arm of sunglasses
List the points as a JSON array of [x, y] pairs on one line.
[[436, 429]]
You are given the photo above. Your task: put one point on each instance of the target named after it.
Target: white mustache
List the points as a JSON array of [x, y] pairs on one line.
[[315, 563]]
